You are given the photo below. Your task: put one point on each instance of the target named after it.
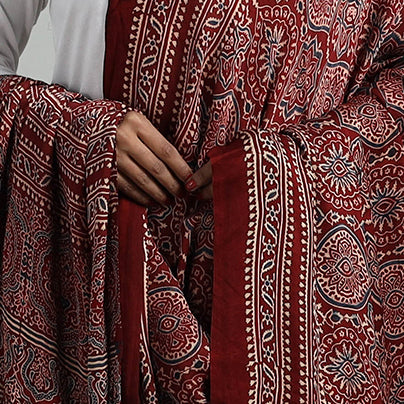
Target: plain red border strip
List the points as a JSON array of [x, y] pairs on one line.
[[230, 380], [131, 259]]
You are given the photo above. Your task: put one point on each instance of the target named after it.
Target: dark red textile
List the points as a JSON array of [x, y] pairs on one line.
[[59, 286], [301, 106], [229, 357], [131, 261], [299, 318]]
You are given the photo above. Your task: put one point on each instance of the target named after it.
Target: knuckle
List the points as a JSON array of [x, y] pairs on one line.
[[135, 118], [122, 137], [158, 168], [143, 180], [131, 115], [118, 156], [167, 150], [127, 189], [119, 134]]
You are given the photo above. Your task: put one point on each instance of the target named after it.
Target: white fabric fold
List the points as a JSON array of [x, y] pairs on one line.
[[79, 35]]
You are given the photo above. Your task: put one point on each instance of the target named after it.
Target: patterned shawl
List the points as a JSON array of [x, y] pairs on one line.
[[300, 107], [59, 307]]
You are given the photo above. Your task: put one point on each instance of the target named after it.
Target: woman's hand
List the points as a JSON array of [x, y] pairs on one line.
[[149, 167]]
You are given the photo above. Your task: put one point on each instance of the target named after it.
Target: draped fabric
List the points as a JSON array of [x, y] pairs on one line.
[[59, 294], [300, 107], [287, 287]]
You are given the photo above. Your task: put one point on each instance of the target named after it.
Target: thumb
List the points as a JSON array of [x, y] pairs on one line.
[[200, 179]]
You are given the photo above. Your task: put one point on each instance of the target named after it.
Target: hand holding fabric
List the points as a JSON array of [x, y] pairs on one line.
[[149, 166]]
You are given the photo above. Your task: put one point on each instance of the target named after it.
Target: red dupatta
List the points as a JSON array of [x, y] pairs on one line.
[[305, 101], [308, 219], [59, 286]]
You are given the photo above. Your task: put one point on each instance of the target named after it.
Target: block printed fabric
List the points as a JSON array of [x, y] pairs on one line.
[[288, 287], [59, 299]]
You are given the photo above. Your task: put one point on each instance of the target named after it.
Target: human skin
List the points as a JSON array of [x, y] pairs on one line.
[[150, 169]]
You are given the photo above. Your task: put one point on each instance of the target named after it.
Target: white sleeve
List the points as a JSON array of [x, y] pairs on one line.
[[17, 17]]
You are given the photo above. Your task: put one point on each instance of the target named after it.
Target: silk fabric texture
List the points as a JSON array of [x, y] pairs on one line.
[[300, 108]]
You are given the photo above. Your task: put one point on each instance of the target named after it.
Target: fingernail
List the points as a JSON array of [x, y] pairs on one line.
[[190, 185], [189, 177]]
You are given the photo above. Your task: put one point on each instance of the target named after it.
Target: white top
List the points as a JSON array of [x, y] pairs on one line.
[[79, 35]]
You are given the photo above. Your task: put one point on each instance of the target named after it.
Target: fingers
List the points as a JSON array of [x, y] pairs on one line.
[[155, 168], [134, 173], [159, 145], [206, 192], [133, 192], [201, 182], [150, 167], [200, 179], [148, 160]]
